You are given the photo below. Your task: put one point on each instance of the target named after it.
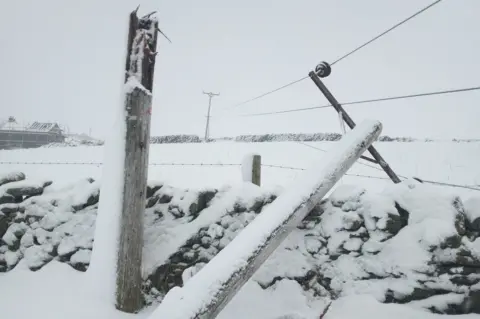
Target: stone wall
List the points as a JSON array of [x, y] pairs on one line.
[[408, 244]]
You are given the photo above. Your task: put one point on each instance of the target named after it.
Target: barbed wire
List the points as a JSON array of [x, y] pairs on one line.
[[236, 164], [100, 163]]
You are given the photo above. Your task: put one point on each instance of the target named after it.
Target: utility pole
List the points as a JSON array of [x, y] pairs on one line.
[[207, 127], [323, 70]]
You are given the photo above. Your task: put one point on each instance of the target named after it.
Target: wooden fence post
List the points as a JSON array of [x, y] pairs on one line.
[[140, 63], [252, 169]]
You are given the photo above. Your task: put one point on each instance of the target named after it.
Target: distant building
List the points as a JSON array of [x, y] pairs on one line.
[[13, 135]]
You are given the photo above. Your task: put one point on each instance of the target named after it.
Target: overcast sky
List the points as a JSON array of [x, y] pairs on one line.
[[63, 61]]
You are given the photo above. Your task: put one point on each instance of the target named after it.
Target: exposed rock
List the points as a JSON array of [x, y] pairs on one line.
[[4, 223], [202, 202], [167, 276], [152, 189], [151, 201], [47, 183], [7, 199], [91, 200], [20, 189], [472, 302], [165, 199], [393, 224], [11, 208]]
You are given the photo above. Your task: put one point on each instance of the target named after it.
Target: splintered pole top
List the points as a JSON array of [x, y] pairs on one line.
[[141, 48]]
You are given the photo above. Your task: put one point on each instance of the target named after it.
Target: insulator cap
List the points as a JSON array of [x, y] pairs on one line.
[[323, 69]]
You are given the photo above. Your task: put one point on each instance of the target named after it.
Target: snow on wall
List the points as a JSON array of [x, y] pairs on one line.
[[200, 295], [356, 242]]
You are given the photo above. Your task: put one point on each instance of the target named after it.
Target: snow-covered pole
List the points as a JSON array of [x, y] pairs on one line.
[[140, 64], [252, 169], [207, 293], [116, 262]]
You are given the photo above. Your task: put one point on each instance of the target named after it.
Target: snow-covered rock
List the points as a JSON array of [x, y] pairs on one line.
[[407, 244]]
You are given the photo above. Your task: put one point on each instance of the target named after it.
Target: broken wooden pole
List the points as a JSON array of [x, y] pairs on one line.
[[323, 70], [140, 64], [206, 294]]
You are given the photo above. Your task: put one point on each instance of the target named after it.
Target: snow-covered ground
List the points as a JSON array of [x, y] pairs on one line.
[[58, 291], [442, 161]]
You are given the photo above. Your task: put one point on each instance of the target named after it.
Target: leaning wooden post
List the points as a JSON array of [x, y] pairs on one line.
[[206, 294], [252, 169], [323, 70], [142, 42]]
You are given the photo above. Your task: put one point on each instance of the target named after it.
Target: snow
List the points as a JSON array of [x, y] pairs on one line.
[[81, 257], [57, 291], [107, 231], [204, 288], [438, 161], [472, 208]]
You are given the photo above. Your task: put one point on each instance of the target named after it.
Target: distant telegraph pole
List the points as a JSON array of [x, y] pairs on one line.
[[207, 127]]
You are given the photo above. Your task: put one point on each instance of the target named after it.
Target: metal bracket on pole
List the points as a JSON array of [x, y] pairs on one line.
[[323, 70]]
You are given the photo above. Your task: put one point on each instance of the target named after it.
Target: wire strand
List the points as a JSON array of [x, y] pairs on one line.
[[343, 56], [270, 92], [385, 32], [383, 99]]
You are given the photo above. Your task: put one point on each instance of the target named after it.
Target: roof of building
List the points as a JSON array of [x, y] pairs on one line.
[[42, 127], [12, 125]]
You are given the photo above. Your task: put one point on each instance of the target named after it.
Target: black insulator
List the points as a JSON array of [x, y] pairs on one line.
[[323, 69]]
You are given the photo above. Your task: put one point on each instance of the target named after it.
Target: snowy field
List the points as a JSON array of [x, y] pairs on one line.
[[445, 162], [58, 291]]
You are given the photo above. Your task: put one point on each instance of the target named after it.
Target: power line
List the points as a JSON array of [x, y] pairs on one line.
[[270, 92], [342, 57], [383, 99], [385, 32]]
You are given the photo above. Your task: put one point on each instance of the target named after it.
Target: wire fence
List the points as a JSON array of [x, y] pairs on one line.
[[470, 187]]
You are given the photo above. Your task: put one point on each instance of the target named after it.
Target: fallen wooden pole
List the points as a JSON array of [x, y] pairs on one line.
[[207, 293]]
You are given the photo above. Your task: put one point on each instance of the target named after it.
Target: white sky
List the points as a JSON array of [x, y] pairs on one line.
[[63, 61]]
